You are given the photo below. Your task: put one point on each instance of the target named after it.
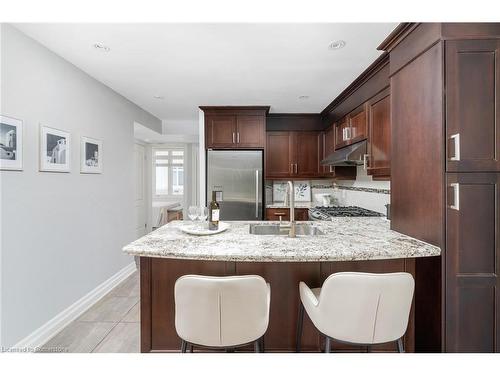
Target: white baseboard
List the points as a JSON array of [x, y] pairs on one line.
[[43, 334]]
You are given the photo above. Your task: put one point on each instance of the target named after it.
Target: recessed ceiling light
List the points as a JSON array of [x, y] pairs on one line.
[[337, 44], [102, 47], [304, 97], [159, 97]]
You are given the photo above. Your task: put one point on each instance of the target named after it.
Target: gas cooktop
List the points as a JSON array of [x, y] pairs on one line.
[[326, 213]]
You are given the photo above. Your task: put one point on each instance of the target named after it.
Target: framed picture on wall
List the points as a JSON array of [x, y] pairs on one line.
[[11, 143], [55, 150], [90, 155]]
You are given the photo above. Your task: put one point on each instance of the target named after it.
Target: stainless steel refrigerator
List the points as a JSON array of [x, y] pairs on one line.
[[236, 177]]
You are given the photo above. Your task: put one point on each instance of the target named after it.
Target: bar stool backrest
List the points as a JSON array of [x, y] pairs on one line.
[[365, 308], [221, 311]]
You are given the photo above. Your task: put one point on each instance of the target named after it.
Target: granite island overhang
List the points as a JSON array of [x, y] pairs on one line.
[[348, 244]]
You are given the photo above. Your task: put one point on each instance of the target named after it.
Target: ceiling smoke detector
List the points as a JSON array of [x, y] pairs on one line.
[[101, 47], [337, 44], [304, 97]]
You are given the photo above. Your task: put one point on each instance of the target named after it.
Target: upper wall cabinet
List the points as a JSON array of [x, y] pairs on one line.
[[220, 131], [235, 127], [342, 132], [292, 154], [279, 154], [473, 105], [352, 128], [378, 160], [358, 124]]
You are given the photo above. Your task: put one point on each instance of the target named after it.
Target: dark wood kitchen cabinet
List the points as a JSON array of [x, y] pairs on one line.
[[341, 133], [351, 128], [220, 131], [378, 161], [308, 152], [473, 262], [158, 277], [235, 127], [358, 125], [328, 149], [473, 105], [279, 154], [293, 154], [445, 180], [274, 214]]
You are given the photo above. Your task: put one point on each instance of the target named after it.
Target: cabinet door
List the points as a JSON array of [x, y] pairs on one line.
[[279, 155], [379, 140], [307, 154], [341, 133], [250, 131], [220, 131], [473, 262], [358, 125], [329, 148], [472, 105]]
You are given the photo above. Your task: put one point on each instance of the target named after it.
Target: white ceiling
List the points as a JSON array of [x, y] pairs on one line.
[[217, 64]]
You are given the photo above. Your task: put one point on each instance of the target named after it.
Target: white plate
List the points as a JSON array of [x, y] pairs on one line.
[[197, 231]]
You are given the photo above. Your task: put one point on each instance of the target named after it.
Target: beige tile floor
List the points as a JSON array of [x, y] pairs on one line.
[[110, 326]]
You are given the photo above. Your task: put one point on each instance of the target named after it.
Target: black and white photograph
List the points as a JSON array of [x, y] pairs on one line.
[[54, 150], [11, 143], [90, 155]]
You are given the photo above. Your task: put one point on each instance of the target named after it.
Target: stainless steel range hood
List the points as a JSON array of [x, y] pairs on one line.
[[348, 156]]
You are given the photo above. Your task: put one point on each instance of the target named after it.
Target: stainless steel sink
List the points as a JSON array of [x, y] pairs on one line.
[[280, 230]]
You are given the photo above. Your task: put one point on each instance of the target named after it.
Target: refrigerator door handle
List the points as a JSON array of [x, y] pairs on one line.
[[256, 193]]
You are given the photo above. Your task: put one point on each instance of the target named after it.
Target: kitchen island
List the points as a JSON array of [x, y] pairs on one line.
[[346, 244]]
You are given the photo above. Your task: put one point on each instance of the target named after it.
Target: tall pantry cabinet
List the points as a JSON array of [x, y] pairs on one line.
[[445, 172]]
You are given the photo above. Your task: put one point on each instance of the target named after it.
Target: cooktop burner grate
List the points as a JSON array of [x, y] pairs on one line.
[[326, 213]]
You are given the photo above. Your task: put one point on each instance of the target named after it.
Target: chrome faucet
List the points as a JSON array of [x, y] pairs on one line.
[[290, 201]]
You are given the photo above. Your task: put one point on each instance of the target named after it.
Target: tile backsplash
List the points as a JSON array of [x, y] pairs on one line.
[[362, 192]]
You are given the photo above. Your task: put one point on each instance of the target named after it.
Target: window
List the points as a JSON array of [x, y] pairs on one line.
[[168, 172]]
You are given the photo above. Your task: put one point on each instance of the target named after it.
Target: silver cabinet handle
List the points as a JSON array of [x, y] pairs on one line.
[[344, 134], [233, 138], [238, 137], [456, 196], [296, 169], [331, 169], [291, 168], [365, 161], [348, 133], [456, 146]]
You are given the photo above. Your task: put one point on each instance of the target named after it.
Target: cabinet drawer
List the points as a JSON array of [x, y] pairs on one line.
[[274, 214]]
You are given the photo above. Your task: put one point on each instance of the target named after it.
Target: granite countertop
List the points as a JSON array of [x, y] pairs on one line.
[[345, 239]]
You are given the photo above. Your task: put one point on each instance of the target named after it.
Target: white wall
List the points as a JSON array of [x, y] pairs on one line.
[[62, 233]]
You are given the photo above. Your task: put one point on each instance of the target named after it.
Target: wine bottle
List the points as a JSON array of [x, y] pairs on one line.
[[213, 214]]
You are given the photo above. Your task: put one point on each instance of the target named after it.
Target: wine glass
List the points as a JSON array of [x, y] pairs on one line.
[[193, 213], [202, 215]]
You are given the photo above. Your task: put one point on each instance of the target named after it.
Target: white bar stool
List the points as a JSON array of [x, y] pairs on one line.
[[221, 312], [358, 308]]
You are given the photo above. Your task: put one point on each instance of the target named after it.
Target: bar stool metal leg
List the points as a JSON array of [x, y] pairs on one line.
[[262, 346], [183, 346], [300, 323], [257, 346], [327, 344], [191, 348], [400, 346]]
